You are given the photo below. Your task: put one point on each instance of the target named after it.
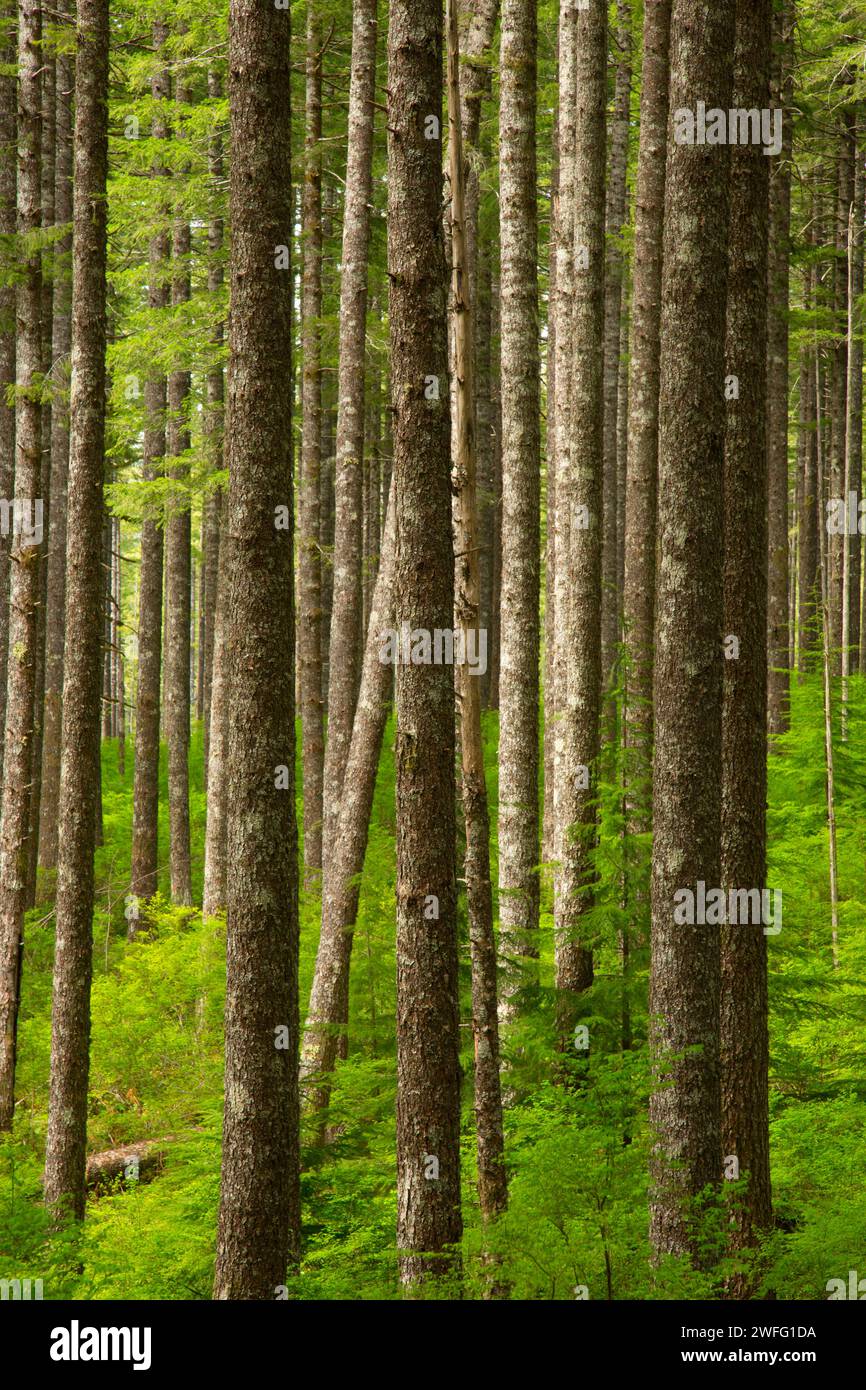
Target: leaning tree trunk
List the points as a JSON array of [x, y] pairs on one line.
[[329, 999], [579, 616], [428, 1062], [145, 795], [65, 1158], [521, 465], [24, 583], [744, 1005], [685, 972], [345, 632], [259, 1215]]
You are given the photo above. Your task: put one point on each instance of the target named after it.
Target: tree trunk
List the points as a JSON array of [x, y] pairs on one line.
[[854, 436], [24, 554], [778, 694], [65, 1159], [216, 831], [492, 1183], [178, 581], [641, 491], [839, 393], [214, 425], [428, 1062], [345, 632], [329, 999], [259, 1218], [8, 102], [309, 542], [579, 616], [518, 830], [615, 218], [145, 822], [48, 161], [743, 1000], [685, 972]]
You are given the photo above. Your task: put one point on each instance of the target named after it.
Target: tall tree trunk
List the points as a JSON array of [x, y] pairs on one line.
[[615, 218], [178, 580], [70, 1014], [641, 490], [559, 418], [778, 695], [309, 543], [839, 392], [854, 435], [24, 553], [579, 616], [214, 424], [345, 632], [259, 1218], [521, 466], [48, 161], [428, 1063], [809, 610], [8, 102], [145, 796], [492, 1183], [685, 972], [743, 1000]]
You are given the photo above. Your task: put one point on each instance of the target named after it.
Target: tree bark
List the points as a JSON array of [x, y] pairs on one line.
[[145, 814], [345, 632], [309, 541], [24, 558], [329, 1000], [641, 492], [778, 677], [492, 1182], [178, 579], [615, 217], [579, 616], [747, 481], [428, 1063], [8, 102], [259, 1217], [66, 1144], [518, 831], [685, 971]]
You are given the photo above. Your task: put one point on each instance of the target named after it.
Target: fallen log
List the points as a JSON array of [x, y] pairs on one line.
[[128, 1164]]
